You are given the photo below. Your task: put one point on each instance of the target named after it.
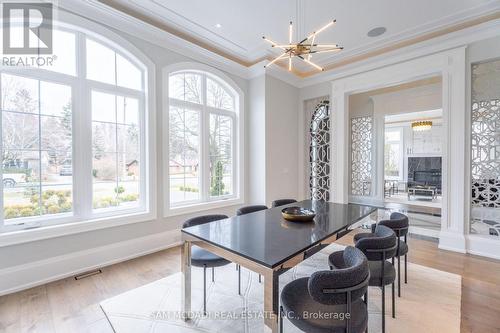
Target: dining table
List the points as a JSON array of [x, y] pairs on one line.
[[268, 244]]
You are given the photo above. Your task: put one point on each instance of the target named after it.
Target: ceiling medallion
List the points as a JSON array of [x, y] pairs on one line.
[[304, 49], [419, 126]]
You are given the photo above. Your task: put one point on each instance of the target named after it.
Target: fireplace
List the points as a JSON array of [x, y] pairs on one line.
[[424, 171]]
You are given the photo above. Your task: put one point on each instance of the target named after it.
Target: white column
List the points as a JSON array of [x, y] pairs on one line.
[[452, 236], [339, 168]]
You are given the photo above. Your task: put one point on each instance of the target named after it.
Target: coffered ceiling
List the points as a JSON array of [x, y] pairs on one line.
[[234, 28]]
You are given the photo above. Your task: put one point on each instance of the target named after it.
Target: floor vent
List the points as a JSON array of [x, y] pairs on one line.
[[87, 274]]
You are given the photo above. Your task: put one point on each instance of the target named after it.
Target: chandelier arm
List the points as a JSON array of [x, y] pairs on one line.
[[321, 29], [273, 44], [312, 44], [327, 45], [311, 63], [327, 50], [275, 59]]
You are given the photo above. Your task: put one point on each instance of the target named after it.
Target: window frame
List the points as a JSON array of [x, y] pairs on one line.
[[400, 142], [83, 217], [206, 201]]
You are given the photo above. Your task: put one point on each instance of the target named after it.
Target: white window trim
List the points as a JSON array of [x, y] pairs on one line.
[[66, 224], [238, 141], [400, 176]]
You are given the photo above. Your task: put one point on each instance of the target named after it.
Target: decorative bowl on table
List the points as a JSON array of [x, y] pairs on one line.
[[298, 214]]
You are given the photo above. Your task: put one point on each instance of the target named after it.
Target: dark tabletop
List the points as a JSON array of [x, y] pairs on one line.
[[265, 237]]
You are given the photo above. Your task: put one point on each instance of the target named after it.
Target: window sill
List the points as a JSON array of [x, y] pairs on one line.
[[200, 207], [58, 230]]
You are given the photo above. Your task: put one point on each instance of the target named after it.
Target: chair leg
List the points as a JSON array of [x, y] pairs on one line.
[[399, 276], [366, 302], [281, 319], [383, 309], [213, 274], [393, 302], [406, 268], [205, 290], [239, 280]]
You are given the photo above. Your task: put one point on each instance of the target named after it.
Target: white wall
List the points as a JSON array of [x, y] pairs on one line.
[[282, 102], [256, 162]]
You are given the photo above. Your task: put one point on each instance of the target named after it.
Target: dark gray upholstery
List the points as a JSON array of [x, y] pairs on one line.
[[403, 247], [310, 295], [296, 300], [398, 222], [400, 225], [376, 273], [383, 238], [378, 247], [203, 219], [250, 209], [199, 256], [350, 267], [282, 202]]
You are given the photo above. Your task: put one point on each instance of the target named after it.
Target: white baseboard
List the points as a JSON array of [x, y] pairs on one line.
[[424, 232], [17, 278], [452, 241], [483, 246]]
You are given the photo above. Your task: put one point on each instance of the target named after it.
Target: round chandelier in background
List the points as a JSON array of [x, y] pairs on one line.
[[420, 126]]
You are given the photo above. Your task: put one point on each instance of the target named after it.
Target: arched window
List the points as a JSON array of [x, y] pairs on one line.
[[73, 132], [203, 134]]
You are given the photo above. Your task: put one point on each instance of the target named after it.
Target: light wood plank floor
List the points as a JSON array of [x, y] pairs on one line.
[[68, 306]]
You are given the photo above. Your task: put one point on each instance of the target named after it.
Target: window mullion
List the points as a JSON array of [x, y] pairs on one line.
[[205, 162], [82, 130]]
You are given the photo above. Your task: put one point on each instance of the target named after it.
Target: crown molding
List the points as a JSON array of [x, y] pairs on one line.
[[100, 13], [443, 23], [460, 38], [118, 20]]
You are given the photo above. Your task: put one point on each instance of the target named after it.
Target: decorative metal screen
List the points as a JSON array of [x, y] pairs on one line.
[[319, 152], [486, 153], [485, 148], [361, 155]]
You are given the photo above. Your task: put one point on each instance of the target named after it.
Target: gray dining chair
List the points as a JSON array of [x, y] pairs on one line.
[[243, 211], [203, 258], [399, 224], [282, 202], [250, 209], [338, 291], [379, 247]]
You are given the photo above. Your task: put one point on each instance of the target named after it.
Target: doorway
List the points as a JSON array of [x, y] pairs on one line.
[[396, 151]]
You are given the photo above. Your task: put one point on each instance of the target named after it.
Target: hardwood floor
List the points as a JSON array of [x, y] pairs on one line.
[[73, 306]]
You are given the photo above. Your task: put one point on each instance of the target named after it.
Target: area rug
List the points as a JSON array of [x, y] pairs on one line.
[[430, 302]]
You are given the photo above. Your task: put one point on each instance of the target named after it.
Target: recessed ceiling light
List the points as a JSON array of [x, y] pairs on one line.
[[218, 25], [375, 32]]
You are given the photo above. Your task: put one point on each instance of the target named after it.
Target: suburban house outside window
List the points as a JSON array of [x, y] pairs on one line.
[[74, 132], [203, 122]]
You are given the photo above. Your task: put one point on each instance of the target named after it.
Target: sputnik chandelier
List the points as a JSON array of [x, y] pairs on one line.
[[304, 49]]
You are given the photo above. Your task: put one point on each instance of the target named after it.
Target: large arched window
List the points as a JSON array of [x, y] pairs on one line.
[[74, 133], [203, 127]]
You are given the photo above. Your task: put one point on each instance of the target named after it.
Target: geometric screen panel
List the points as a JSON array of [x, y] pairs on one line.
[[485, 149], [319, 152], [485, 164], [361, 155]]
